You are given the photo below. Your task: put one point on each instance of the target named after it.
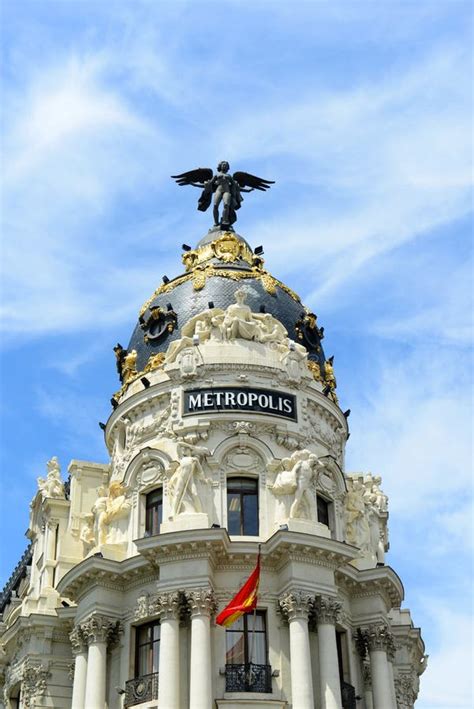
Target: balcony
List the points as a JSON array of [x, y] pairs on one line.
[[248, 678], [141, 689], [348, 696]]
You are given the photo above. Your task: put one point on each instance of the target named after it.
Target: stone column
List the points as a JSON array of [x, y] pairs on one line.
[[79, 649], [378, 641], [169, 609], [99, 631], [327, 614], [296, 607], [202, 605], [50, 555], [391, 650], [367, 678]]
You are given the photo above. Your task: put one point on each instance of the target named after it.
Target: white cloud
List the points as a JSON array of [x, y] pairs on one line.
[[415, 430], [447, 682]]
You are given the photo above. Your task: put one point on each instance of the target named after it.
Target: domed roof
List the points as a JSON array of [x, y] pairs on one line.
[[221, 263]]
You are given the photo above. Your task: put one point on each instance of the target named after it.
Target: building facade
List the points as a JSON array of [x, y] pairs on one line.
[[226, 434]]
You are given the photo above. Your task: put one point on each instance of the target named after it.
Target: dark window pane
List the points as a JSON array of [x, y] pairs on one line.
[[323, 511], [147, 652], [250, 515], [154, 512]]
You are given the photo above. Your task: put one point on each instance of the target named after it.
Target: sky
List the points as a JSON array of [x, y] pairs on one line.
[[362, 114]]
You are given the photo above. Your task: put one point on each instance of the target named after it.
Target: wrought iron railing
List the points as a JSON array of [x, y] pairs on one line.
[[248, 678], [348, 696], [141, 689]]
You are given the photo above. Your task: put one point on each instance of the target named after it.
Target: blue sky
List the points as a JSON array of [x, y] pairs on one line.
[[362, 113]]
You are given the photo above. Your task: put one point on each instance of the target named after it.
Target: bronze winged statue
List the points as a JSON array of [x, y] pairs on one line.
[[226, 189]]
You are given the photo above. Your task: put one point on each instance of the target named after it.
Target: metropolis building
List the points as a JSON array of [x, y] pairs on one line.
[[226, 433]]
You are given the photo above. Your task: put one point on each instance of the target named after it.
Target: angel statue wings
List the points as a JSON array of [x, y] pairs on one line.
[[225, 187]]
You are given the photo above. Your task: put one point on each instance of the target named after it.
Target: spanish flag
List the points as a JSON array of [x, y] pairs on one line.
[[245, 600]]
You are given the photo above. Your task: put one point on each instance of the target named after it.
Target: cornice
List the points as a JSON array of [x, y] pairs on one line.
[[367, 583], [215, 545], [106, 573]]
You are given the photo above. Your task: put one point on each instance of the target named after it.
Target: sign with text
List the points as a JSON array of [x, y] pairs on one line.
[[260, 401]]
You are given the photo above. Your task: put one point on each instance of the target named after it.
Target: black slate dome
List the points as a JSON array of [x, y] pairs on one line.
[[221, 263]]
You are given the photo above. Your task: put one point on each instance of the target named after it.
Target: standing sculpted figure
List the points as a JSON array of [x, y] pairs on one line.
[[226, 188], [357, 525], [182, 485], [296, 483], [305, 472]]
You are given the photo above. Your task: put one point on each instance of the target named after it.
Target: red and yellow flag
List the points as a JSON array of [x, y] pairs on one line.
[[244, 601]]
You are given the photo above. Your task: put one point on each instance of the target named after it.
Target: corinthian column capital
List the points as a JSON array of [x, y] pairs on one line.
[[378, 637], [328, 610], [295, 604], [100, 629], [78, 640], [201, 601], [169, 606]]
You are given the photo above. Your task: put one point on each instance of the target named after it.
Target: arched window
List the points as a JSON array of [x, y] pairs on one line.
[[153, 512], [242, 506]]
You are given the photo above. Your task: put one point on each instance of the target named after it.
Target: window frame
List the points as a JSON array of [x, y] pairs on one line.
[[247, 633], [148, 507], [138, 629], [254, 480]]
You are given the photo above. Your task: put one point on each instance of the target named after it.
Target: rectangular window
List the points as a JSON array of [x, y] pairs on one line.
[[246, 640], [323, 511], [147, 649], [154, 512], [242, 506]]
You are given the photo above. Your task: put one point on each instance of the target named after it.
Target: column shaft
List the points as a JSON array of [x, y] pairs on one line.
[[201, 667], [168, 686], [96, 676], [329, 667], [300, 658], [79, 685], [380, 679]]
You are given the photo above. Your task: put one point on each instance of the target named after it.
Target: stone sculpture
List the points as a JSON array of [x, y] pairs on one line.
[[357, 526], [295, 485], [110, 510], [52, 485], [366, 517], [236, 322], [182, 487], [225, 188]]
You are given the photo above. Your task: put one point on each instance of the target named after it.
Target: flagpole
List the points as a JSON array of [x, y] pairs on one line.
[[252, 644]]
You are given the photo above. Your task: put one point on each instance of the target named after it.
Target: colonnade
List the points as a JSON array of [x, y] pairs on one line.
[[91, 639], [300, 608]]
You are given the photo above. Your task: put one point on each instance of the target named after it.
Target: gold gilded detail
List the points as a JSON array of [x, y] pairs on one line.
[[129, 370], [227, 247], [199, 276], [315, 370], [154, 362]]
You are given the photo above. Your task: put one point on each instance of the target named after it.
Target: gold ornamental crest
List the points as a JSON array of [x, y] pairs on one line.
[[227, 247]]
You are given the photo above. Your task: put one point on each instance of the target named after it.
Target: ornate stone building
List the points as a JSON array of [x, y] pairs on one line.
[[226, 433]]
